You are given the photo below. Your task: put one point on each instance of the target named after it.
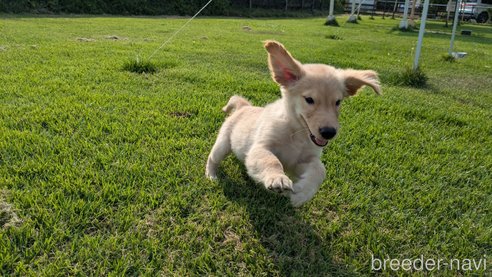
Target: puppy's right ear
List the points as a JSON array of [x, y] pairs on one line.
[[355, 79], [284, 68]]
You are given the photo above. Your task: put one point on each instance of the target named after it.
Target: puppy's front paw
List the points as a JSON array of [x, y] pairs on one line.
[[210, 176], [279, 183], [211, 170]]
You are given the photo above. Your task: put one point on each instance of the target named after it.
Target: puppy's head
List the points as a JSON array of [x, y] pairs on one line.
[[314, 92]]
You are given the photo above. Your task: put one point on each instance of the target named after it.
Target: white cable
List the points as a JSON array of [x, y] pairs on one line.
[[179, 30]]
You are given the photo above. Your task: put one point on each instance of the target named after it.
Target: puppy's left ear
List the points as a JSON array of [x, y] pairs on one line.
[[356, 79], [284, 68]]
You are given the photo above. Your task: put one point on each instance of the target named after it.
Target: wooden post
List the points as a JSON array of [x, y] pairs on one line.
[[412, 12], [394, 9]]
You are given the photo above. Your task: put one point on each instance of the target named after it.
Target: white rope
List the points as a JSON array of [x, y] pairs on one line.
[[179, 30]]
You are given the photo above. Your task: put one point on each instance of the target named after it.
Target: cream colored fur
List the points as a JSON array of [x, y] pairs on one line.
[[281, 144]]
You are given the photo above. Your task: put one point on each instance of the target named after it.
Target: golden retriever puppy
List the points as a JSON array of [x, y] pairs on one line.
[[281, 144]]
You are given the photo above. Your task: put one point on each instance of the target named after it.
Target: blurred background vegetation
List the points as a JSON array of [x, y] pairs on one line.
[[174, 7]]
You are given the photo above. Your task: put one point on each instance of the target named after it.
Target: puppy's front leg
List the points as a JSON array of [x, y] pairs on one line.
[[311, 176], [266, 168]]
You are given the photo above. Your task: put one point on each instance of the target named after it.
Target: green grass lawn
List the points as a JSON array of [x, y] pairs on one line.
[[102, 170]]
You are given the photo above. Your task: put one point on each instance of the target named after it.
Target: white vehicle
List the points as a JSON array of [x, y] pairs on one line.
[[476, 9], [366, 5]]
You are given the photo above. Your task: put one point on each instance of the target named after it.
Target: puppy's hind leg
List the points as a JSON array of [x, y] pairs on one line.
[[221, 148]]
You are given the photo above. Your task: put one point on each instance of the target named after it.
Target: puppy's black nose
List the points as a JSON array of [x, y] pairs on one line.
[[327, 132]]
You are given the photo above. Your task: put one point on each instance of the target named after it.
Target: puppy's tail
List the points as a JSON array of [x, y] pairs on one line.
[[235, 103]]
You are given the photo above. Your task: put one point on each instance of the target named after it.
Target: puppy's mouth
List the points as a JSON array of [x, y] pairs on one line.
[[317, 141], [314, 139]]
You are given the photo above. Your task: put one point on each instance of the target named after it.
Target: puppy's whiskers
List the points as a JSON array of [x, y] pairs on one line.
[[303, 130]]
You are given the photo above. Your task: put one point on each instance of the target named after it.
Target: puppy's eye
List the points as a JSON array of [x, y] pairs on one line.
[[338, 103], [309, 100]]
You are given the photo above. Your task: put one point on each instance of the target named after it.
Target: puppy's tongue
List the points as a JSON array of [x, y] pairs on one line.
[[320, 141]]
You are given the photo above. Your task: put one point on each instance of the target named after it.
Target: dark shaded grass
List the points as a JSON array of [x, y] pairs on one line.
[[140, 66], [410, 78]]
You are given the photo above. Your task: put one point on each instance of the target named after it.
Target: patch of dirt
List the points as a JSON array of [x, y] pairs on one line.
[[8, 217], [86, 39], [270, 32], [333, 37], [181, 114], [114, 37], [232, 238]]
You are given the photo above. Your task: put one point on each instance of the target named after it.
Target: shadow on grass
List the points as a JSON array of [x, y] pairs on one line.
[[292, 244]]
